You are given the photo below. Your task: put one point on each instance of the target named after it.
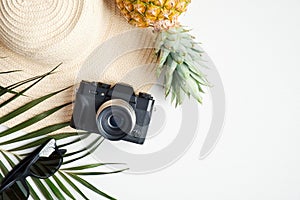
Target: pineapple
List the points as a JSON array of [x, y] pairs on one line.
[[180, 57]]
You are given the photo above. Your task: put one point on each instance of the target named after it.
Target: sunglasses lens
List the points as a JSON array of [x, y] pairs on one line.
[[47, 166], [17, 191]]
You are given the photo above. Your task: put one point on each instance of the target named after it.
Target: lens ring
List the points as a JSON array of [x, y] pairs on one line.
[[125, 119]]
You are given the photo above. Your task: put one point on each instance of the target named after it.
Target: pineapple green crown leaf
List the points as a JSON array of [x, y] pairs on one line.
[[181, 58]]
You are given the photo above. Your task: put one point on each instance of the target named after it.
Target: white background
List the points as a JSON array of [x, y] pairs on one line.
[[256, 48]]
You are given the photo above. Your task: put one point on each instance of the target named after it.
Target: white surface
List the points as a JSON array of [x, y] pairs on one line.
[[255, 45]]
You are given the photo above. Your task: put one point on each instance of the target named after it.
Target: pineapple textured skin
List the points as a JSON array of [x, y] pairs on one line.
[[152, 13]]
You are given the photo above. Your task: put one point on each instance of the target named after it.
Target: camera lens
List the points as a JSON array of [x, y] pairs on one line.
[[115, 122], [115, 119]]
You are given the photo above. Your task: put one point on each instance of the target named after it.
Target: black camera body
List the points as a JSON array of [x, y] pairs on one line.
[[115, 112]]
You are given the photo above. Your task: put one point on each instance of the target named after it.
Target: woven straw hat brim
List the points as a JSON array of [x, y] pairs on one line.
[[35, 36]]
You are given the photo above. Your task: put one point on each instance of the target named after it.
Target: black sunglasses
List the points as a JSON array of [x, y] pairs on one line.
[[41, 163]]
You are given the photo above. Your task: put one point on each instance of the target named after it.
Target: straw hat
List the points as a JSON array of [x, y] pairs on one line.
[[35, 36]]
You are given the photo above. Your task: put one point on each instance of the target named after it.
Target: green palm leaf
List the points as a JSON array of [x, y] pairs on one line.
[[90, 186], [37, 133], [28, 106], [32, 191], [54, 189], [8, 72], [38, 79], [10, 88], [38, 142], [62, 185], [89, 166], [41, 187], [32, 120], [72, 184]]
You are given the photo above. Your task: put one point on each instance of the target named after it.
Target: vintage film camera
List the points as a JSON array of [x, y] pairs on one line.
[[115, 112]]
